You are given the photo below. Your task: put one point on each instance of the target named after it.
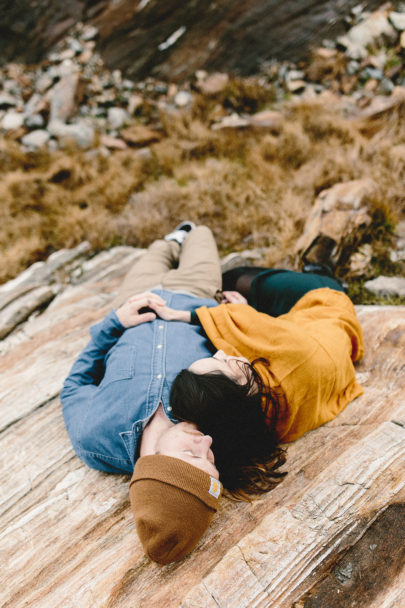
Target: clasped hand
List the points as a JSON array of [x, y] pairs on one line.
[[130, 316]]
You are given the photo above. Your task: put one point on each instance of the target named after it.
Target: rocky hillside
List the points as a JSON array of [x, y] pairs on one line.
[[90, 155], [172, 40]]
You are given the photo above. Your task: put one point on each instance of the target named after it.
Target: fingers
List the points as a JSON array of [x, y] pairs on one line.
[[146, 317], [143, 302], [234, 297], [161, 310]]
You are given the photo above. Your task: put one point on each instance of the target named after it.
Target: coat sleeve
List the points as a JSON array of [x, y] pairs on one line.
[[88, 368], [81, 384]]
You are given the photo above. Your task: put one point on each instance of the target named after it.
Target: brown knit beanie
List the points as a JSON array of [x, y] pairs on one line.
[[173, 503]]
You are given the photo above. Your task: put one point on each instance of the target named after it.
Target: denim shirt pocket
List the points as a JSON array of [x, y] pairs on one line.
[[130, 440], [119, 364]]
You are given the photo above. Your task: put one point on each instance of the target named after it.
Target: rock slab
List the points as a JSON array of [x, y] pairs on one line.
[[66, 532]]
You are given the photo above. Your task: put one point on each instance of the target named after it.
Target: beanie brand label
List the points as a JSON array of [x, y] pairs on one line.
[[215, 487]]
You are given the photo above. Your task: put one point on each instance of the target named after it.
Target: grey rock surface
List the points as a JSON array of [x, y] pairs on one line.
[[386, 286]]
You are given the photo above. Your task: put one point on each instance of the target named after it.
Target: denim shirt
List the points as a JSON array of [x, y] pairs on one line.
[[119, 379]]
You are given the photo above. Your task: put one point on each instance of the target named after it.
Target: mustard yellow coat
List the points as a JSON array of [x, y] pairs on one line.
[[310, 351]]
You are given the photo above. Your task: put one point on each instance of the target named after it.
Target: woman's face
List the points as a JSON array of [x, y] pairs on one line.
[[185, 441], [233, 367]]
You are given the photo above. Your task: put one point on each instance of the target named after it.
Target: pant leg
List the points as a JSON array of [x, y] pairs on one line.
[[199, 270], [240, 278], [149, 270], [275, 291]]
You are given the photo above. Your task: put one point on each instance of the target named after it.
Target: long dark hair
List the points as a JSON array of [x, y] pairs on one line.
[[246, 449]]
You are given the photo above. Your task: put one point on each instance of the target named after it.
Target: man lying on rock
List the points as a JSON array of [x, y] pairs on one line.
[[120, 414]]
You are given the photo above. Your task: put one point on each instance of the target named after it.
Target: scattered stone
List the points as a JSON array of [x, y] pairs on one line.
[[31, 107], [113, 143], [360, 261], [135, 101], [36, 139], [201, 75], [365, 33], [296, 86], [183, 99], [117, 118], [310, 94], [81, 132], [7, 101], [386, 286], [64, 102], [375, 73], [12, 120], [371, 85], [67, 54], [397, 20], [234, 121], [353, 67], [89, 33], [295, 75], [139, 135], [402, 40], [34, 121], [326, 53], [381, 104], [267, 119], [75, 45], [387, 86], [212, 84], [85, 56]]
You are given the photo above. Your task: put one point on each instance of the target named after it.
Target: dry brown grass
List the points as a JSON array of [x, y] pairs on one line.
[[254, 189]]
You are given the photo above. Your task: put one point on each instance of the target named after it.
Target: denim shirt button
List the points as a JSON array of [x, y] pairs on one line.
[[159, 376], [159, 346], [169, 408]]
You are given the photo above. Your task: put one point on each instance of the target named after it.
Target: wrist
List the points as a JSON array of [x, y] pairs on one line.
[[183, 315]]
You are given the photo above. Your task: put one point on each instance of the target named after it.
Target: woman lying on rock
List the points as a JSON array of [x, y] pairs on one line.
[[116, 402], [283, 366]]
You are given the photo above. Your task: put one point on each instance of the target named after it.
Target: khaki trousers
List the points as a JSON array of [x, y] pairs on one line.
[[198, 269]]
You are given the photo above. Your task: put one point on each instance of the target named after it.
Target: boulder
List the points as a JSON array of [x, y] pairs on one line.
[[337, 214], [67, 533]]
